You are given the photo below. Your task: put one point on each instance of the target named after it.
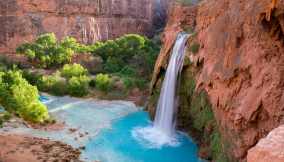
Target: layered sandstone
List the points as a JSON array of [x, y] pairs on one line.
[[87, 20], [240, 66], [269, 148]]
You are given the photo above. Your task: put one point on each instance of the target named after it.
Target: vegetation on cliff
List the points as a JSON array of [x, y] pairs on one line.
[[195, 112]]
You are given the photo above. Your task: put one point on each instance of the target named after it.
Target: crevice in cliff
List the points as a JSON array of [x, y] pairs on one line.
[[273, 22]]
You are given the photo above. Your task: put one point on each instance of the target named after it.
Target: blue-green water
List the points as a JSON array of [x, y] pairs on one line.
[[119, 145], [110, 132]]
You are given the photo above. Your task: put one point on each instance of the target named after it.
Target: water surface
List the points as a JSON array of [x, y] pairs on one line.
[[106, 129]]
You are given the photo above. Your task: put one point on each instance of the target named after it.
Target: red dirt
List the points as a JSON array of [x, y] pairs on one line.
[[15, 148]]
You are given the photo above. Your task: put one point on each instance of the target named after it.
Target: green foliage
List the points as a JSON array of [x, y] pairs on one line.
[[48, 52], [21, 98], [103, 82], [92, 83], [216, 147], [59, 88], [31, 77], [71, 80], [196, 112], [73, 70], [194, 47], [128, 71], [113, 65], [4, 116], [134, 50], [78, 86], [201, 107], [185, 2], [47, 82], [131, 82]]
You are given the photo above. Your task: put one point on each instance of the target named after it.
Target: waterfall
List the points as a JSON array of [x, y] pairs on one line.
[[165, 114], [163, 130]]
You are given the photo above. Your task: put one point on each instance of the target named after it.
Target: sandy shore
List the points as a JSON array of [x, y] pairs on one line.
[[16, 148]]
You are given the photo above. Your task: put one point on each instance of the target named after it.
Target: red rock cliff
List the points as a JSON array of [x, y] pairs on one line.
[[87, 20], [241, 48]]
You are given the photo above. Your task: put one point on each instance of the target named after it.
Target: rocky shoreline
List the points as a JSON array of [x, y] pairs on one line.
[[18, 148]]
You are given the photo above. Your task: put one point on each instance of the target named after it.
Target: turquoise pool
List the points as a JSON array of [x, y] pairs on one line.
[[108, 128]]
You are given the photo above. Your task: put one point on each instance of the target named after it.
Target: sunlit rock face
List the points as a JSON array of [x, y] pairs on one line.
[[269, 148], [87, 20], [240, 66]]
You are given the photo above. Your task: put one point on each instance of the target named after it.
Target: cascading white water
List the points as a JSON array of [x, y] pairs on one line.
[[165, 114], [163, 130]]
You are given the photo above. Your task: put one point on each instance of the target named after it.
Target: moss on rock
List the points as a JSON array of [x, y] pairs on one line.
[[195, 115]]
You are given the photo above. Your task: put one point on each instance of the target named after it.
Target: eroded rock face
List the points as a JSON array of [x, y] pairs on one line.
[[269, 148], [87, 20], [240, 66], [179, 17], [242, 51]]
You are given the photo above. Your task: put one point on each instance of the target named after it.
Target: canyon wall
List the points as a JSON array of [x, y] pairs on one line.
[[87, 20], [239, 65], [270, 148]]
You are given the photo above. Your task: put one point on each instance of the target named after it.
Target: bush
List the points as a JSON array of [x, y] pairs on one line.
[[4, 116], [78, 86], [71, 80], [128, 71], [103, 82], [31, 77], [48, 52], [53, 84], [59, 88], [134, 50], [131, 82], [73, 70], [113, 65], [45, 83], [92, 83], [194, 47], [21, 98]]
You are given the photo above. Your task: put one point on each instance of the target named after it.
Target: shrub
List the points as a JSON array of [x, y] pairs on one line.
[[4, 116], [131, 82], [59, 88], [21, 98], [113, 65], [45, 83], [132, 49], [47, 51], [32, 77], [128, 71], [128, 82], [78, 86], [73, 70], [103, 82], [194, 47], [92, 83]]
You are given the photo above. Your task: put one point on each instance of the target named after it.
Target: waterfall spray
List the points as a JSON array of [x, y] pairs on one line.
[[163, 130], [167, 105]]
